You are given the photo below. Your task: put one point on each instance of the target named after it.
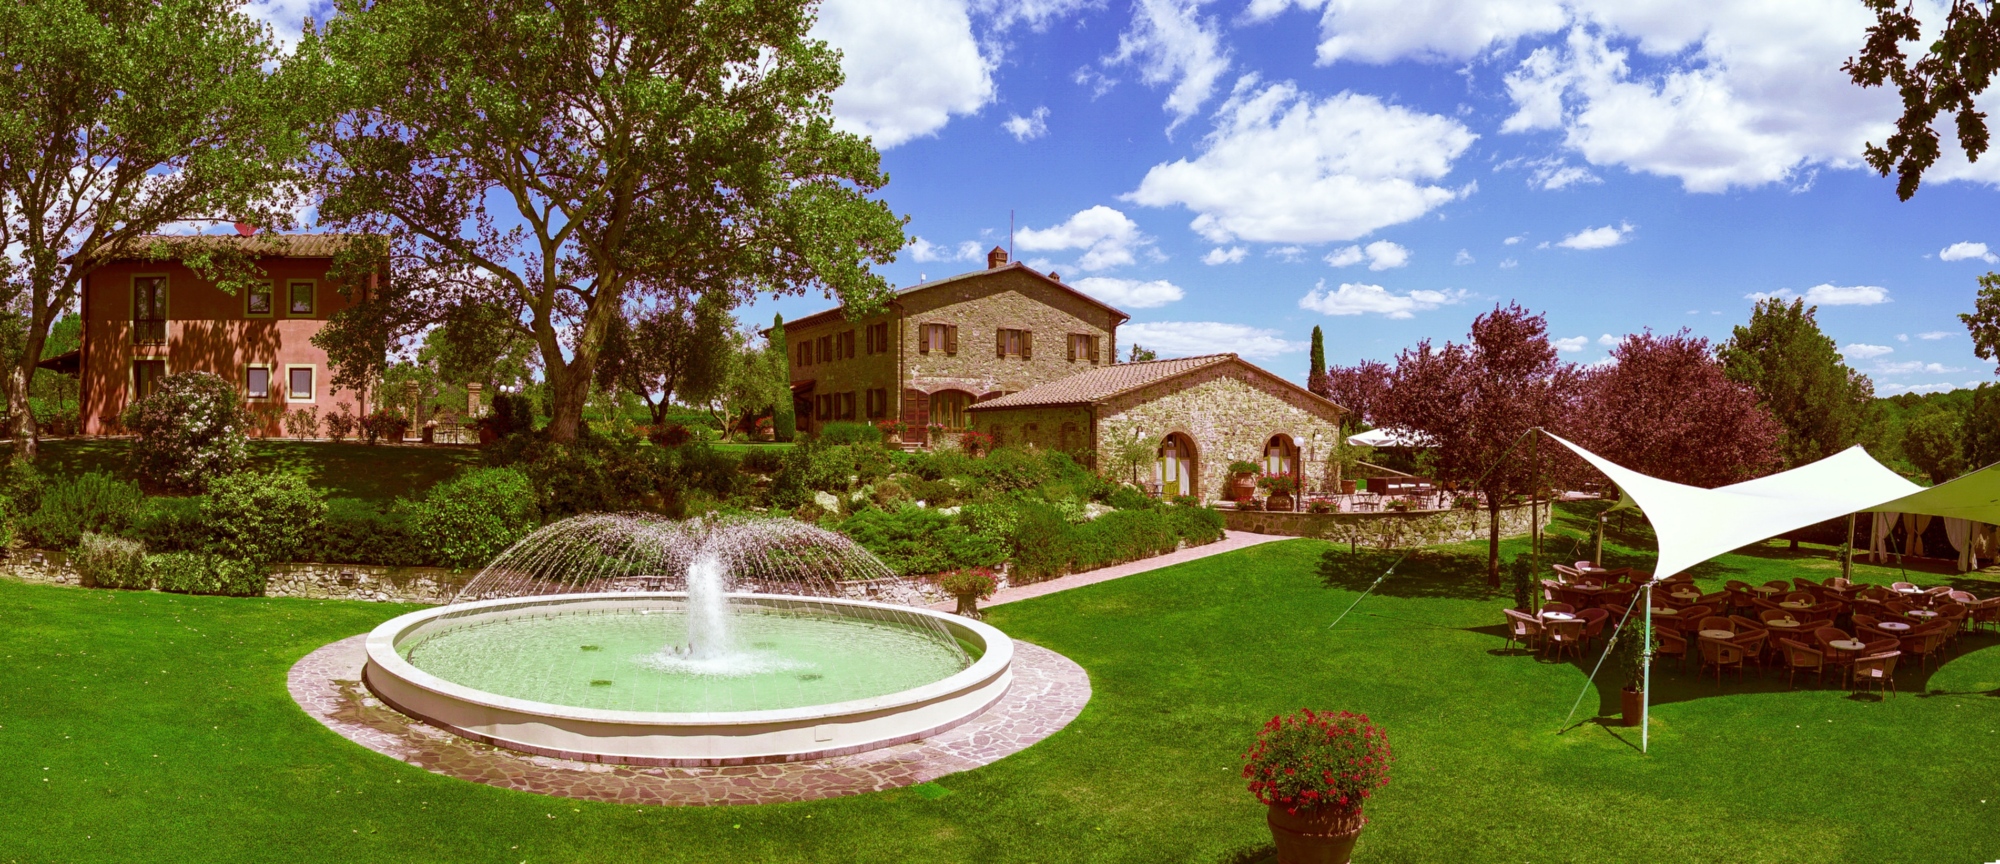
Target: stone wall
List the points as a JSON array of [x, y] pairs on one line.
[[1065, 429], [1229, 416], [316, 581], [1387, 529]]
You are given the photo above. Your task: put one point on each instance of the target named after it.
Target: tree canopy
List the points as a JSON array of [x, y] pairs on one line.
[[571, 162], [1797, 373], [1667, 408], [1954, 69]]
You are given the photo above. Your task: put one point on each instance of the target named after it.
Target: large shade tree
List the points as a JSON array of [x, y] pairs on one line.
[[125, 117], [1477, 401], [573, 161], [681, 352], [1666, 407], [1357, 388], [1797, 372]]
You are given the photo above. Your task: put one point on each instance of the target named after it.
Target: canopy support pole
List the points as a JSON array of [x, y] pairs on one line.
[[1646, 689], [1597, 557], [1847, 558]]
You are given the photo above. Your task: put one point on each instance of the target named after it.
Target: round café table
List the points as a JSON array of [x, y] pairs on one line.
[[1687, 597], [1718, 634], [1766, 590], [1794, 604], [1893, 626], [1925, 614], [1782, 623], [1558, 616]]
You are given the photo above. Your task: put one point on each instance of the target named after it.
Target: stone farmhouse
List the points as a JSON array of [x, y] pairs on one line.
[[146, 317], [1023, 358]]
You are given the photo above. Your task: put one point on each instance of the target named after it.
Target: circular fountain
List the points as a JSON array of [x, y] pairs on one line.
[[627, 638]]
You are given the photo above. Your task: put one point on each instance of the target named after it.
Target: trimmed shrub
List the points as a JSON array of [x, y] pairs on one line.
[[358, 532], [385, 424], [1045, 543], [469, 519], [200, 573], [1127, 497], [670, 435], [190, 431], [20, 488], [93, 502], [915, 540], [340, 425], [263, 517], [104, 561], [170, 525], [1196, 524], [850, 432], [763, 460], [511, 413]]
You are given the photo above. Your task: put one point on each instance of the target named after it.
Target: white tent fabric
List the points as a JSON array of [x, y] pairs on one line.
[[1386, 437], [1695, 524], [1959, 532], [1879, 526]]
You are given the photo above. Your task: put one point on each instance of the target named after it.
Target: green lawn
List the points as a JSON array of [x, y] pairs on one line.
[[378, 473], [152, 727], [746, 447]]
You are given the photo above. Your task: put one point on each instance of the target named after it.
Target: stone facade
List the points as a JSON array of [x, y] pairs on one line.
[[836, 363], [1229, 415], [1388, 529]]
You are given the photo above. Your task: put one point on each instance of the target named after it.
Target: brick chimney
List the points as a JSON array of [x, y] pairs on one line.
[[1054, 276], [996, 258]]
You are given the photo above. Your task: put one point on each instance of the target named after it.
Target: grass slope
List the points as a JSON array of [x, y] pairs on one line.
[[152, 727]]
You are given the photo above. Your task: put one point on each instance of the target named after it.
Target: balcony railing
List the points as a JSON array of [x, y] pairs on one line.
[[149, 332]]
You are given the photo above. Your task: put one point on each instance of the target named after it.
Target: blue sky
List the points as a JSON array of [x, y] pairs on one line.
[[1233, 173]]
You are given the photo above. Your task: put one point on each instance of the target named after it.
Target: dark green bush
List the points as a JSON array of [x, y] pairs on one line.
[[763, 460], [190, 431], [1130, 498], [263, 516], [465, 521], [170, 525], [1196, 524], [359, 532], [849, 432], [811, 467], [200, 573], [594, 474], [20, 488], [1045, 544], [67, 508], [104, 561], [917, 540]]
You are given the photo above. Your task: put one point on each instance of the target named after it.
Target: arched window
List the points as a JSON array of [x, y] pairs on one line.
[[1174, 469], [948, 409], [1281, 456]]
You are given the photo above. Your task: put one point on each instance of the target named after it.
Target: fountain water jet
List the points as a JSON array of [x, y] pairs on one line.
[[557, 647]]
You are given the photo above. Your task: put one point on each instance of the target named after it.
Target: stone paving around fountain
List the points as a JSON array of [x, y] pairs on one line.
[[1047, 693]]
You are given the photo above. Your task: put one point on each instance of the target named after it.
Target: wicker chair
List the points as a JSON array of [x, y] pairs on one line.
[[1736, 585], [1924, 642], [1779, 584], [1549, 589], [1805, 597], [1569, 574], [1877, 669], [1563, 636], [1902, 586], [1836, 658], [1799, 655], [1877, 646], [1523, 628], [1672, 644], [1593, 623], [1986, 612], [1717, 622], [1743, 623], [1768, 615], [1721, 655], [1752, 644], [1558, 607]]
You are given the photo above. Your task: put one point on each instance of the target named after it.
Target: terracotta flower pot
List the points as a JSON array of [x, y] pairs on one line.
[[1324, 836], [1346, 487], [1629, 701], [1242, 487], [1278, 503]]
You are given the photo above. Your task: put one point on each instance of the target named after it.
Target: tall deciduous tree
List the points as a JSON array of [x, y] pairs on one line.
[[581, 159], [1982, 427], [1957, 66], [1799, 377], [681, 352], [124, 117], [1477, 400], [784, 424], [1933, 441], [1316, 373], [1667, 408], [1359, 389]]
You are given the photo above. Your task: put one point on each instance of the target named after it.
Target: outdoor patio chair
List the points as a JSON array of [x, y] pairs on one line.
[[1801, 597], [1719, 599], [1672, 645], [1839, 582], [1576, 599], [1616, 601], [1877, 669], [1582, 565], [1987, 612], [1900, 586], [1924, 643], [1937, 592], [1779, 584], [1775, 615], [1805, 584], [1523, 628], [1549, 589], [1564, 636], [1594, 619], [1954, 613], [1717, 622], [1762, 604], [1963, 598], [1569, 574], [1799, 655], [1721, 655], [1877, 646], [1743, 623], [1558, 607], [1736, 585], [1897, 606], [1752, 643], [1618, 573]]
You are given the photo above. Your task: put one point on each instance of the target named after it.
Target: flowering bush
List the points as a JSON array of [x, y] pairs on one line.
[[1278, 484], [385, 424], [976, 582], [974, 442], [190, 431], [340, 425], [302, 423], [1312, 760]]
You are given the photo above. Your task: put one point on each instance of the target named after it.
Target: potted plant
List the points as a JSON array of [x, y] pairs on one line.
[[1242, 480], [969, 586], [892, 432], [1280, 488], [1313, 770], [1628, 657], [1346, 486]]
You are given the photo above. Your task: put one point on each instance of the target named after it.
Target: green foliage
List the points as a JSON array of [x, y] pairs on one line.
[[360, 532], [1130, 498], [918, 540], [1798, 374], [341, 425], [263, 517], [849, 432], [203, 573], [467, 520], [1521, 573], [1932, 441], [67, 508], [191, 431], [511, 413], [20, 488], [166, 524], [682, 350], [383, 424], [1982, 427], [977, 583], [1045, 543], [104, 561], [813, 466], [784, 425], [1628, 657], [302, 423]]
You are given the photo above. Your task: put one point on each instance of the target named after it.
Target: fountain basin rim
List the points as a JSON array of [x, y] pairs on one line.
[[996, 657]]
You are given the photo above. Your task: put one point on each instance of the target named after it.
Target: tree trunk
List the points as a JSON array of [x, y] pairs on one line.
[[20, 379], [1493, 501], [568, 391]]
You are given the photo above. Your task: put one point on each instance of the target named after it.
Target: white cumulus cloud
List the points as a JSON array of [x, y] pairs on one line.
[[1129, 293], [1028, 128], [1462, 258], [1963, 251], [925, 250], [1826, 294], [1864, 351], [1382, 31], [1572, 344], [1514, 239], [1912, 367], [1380, 255], [1189, 338], [1171, 43], [1597, 238], [1219, 255], [910, 64], [1359, 299], [1282, 166], [1107, 237], [1609, 341]]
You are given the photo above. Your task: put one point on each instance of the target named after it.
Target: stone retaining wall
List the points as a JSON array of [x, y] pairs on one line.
[[317, 581], [1387, 529]]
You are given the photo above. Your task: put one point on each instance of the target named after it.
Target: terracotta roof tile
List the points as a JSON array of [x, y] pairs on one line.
[[1102, 383], [286, 245]]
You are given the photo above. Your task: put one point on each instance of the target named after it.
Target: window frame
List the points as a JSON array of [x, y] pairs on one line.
[[270, 303], [132, 376], [132, 318], [250, 396], [311, 370], [312, 298]]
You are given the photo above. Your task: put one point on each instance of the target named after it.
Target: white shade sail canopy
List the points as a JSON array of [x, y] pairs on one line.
[[1695, 524], [1386, 437]]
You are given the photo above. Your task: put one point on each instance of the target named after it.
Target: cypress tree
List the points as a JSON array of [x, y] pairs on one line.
[[783, 425], [1316, 379]]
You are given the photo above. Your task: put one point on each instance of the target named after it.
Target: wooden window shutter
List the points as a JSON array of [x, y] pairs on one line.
[[1027, 344], [951, 339], [924, 338], [1000, 343], [1072, 348], [1093, 349]]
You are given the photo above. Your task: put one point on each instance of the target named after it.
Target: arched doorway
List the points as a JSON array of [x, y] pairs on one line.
[[948, 409], [1281, 456], [1174, 467]]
